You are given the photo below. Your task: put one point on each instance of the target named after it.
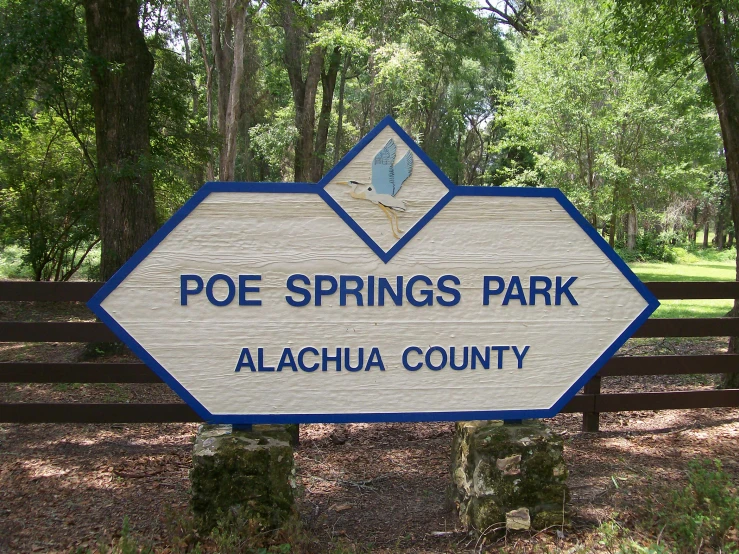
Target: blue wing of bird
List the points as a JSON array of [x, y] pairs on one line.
[[383, 172], [402, 171]]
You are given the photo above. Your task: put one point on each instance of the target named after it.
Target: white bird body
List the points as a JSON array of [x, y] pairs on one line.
[[363, 191]]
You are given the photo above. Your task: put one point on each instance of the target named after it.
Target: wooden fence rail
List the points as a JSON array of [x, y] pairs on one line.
[[591, 403]]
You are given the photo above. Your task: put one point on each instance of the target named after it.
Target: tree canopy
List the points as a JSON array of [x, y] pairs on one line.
[[611, 101]]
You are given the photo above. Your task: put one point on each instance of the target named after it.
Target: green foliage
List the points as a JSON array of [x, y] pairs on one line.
[[271, 141], [41, 60], [705, 513], [695, 254], [615, 114], [48, 199], [661, 35], [234, 534], [180, 140], [48, 191], [615, 538], [237, 534], [650, 247], [12, 263], [611, 136]]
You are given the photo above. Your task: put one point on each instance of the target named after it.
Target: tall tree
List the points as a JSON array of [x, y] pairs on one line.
[[229, 22], [715, 38], [228, 31], [121, 70], [671, 33], [608, 134], [298, 28]]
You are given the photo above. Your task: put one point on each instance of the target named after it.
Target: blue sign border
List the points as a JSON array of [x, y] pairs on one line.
[[95, 303]]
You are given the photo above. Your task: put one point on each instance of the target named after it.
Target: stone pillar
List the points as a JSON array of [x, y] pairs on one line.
[[250, 471], [508, 476]]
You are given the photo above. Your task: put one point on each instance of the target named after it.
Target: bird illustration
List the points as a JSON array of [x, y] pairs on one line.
[[387, 180]]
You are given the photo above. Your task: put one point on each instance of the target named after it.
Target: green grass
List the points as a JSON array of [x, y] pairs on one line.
[[708, 265]]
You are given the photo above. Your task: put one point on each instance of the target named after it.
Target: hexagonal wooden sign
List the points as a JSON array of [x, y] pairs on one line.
[[383, 293]]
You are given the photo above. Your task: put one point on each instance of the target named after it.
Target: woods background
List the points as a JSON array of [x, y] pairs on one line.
[[112, 113]]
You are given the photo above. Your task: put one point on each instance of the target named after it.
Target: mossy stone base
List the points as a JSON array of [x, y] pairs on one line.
[[499, 468], [250, 472]]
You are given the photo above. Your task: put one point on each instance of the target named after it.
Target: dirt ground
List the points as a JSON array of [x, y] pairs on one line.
[[364, 487], [68, 486]]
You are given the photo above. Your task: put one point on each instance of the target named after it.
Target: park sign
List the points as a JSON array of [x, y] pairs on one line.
[[382, 293]]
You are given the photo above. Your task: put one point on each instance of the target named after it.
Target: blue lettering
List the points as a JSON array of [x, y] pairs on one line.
[[384, 286], [500, 350], [520, 355], [375, 360], [287, 360], [321, 291], [325, 359], [371, 290], [518, 294], [534, 280], [487, 292], [406, 365], [185, 291], [561, 289], [231, 289], [476, 356], [243, 289], [347, 360], [465, 357], [260, 358], [301, 359], [429, 352], [292, 287], [443, 288], [245, 360], [427, 294], [344, 290]]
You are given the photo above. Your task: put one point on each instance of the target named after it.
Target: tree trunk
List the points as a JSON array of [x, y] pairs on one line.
[[209, 171], [181, 22], [705, 234], [614, 218], [250, 98], [714, 45], [221, 40], [612, 230], [227, 41], [631, 229], [304, 89], [719, 238], [121, 71], [328, 85], [340, 123], [232, 108]]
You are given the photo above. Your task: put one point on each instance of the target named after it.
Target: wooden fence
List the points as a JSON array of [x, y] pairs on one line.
[[591, 402]]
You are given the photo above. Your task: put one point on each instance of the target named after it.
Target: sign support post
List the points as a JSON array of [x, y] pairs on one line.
[[382, 293]]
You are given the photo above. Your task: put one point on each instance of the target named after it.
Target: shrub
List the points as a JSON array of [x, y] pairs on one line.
[[705, 512], [650, 247]]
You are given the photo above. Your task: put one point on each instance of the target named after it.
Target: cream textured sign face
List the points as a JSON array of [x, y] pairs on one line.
[[382, 293]]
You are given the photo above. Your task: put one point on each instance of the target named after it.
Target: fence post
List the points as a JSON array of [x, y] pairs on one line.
[[591, 420]]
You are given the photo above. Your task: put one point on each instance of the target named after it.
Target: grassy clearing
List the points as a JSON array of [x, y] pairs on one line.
[[708, 265]]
